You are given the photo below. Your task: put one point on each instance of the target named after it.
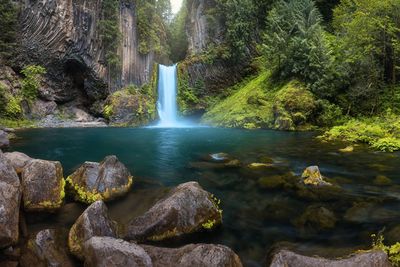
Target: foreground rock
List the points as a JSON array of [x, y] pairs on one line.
[[366, 259], [201, 255], [43, 185], [94, 221], [111, 252], [100, 181], [10, 197], [18, 160], [47, 248], [312, 176], [188, 208], [4, 142]]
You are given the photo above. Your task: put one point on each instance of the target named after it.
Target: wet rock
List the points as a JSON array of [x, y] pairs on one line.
[[347, 149], [366, 259], [219, 157], [257, 166], [94, 221], [18, 160], [199, 255], [265, 159], [42, 185], [365, 212], [312, 176], [111, 252], [204, 165], [272, 182], [382, 180], [10, 197], [47, 248], [235, 163], [4, 141], [315, 218], [188, 208], [392, 236], [100, 181]]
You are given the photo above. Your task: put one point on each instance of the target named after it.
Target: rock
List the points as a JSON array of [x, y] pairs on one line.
[[187, 208], [316, 218], [4, 141], [271, 182], [8, 263], [100, 181], [374, 258], [312, 176], [257, 165], [94, 221], [40, 108], [111, 252], [382, 180], [18, 160], [219, 157], [47, 248], [199, 255], [347, 149], [366, 212], [42, 185], [392, 236], [235, 163], [10, 197], [204, 165]]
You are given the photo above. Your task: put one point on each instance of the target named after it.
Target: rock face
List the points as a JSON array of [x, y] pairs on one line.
[[47, 248], [366, 259], [201, 255], [4, 142], [100, 181], [10, 197], [111, 252], [42, 185], [64, 37], [312, 176], [94, 221], [18, 160], [187, 208]]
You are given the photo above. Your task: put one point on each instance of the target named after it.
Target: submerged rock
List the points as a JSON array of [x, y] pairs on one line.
[[347, 149], [100, 181], [257, 165], [366, 212], [10, 197], [18, 160], [375, 258], [42, 185], [315, 218], [312, 176], [4, 141], [94, 221], [219, 157], [188, 208], [47, 248], [272, 182], [111, 252], [199, 255], [382, 180]]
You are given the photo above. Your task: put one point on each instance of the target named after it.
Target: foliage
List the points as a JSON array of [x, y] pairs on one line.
[[392, 251], [8, 26], [31, 82], [17, 123], [187, 95], [177, 37]]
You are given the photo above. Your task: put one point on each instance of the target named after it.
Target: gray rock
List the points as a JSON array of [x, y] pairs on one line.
[[286, 258], [4, 141], [199, 255], [42, 185], [46, 249], [188, 208], [312, 176], [111, 252], [10, 197], [94, 221], [100, 181], [18, 160]]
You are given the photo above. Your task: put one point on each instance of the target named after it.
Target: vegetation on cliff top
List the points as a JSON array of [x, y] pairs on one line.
[[8, 26]]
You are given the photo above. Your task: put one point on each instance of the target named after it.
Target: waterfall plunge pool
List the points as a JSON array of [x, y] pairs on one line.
[[255, 217]]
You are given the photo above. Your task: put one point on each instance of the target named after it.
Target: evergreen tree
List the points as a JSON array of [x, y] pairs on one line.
[[8, 26]]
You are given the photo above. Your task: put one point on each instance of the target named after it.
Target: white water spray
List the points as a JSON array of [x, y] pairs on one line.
[[166, 105]]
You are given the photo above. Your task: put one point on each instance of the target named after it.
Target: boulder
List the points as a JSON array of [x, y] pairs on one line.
[[258, 165], [100, 181], [111, 252], [94, 221], [312, 176], [46, 248], [42, 185], [199, 255], [10, 197], [218, 157], [188, 208], [316, 218], [347, 149], [4, 141], [374, 258], [18, 160]]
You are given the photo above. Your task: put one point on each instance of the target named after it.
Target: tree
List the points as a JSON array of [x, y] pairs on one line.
[[177, 35], [8, 25]]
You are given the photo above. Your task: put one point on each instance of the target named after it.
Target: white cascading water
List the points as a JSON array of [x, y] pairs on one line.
[[166, 105]]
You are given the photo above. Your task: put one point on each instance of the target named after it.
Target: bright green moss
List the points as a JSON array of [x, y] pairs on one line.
[[209, 224]]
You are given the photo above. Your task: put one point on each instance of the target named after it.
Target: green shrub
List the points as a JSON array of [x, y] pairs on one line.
[[31, 82], [392, 251]]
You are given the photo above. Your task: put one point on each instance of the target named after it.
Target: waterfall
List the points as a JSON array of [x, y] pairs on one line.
[[167, 88]]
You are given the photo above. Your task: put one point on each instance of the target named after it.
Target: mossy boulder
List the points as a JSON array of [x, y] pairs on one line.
[[100, 181], [42, 185], [312, 176], [315, 218], [130, 107], [186, 209], [10, 197], [46, 248], [18, 160], [94, 221]]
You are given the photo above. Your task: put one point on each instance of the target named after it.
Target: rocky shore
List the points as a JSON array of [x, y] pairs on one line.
[[37, 186]]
